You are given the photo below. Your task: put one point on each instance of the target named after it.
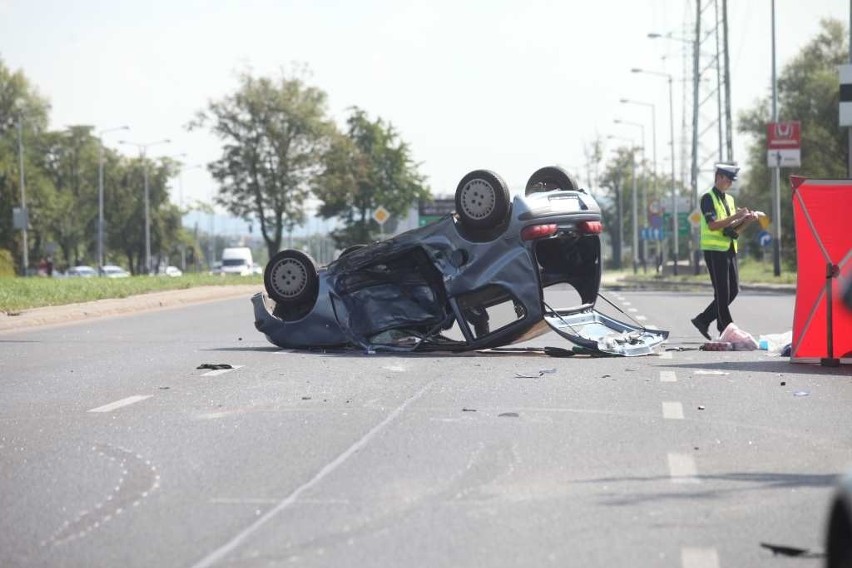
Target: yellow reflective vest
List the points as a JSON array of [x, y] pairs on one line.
[[716, 240]]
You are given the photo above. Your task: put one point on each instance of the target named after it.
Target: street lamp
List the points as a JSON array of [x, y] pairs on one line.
[[142, 149], [25, 218], [101, 191], [671, 134], [635, 207], [653, 108]]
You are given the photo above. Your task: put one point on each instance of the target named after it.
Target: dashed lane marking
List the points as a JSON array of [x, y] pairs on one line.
[[682, 468], [121, 403], [672, 411], [699, 558], [668, 377]]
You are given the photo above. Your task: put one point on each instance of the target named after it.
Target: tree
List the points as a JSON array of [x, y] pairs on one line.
[[367, 168], [275, 134], [125, 208], [808, 91], [618, 175], [18, 101]]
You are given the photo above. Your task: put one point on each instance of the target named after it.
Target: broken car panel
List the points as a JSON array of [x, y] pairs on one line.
[[483, 269]]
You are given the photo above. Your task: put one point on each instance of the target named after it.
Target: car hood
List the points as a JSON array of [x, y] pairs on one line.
[[595, 331]]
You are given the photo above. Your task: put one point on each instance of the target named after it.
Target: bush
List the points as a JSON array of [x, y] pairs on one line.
[[7, 264]]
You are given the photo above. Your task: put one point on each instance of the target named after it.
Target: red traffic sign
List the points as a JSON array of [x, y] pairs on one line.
[[784, 135]]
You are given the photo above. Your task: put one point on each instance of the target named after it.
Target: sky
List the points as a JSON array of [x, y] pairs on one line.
[[506, 85]]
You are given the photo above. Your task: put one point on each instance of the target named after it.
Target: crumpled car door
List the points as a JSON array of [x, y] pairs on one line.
[[595, 331]]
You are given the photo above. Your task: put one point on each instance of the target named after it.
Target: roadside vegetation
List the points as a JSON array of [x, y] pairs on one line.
[[751, 271], [18, 294]]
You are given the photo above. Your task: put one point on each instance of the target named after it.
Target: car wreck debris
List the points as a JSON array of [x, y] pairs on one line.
[[472, 280]]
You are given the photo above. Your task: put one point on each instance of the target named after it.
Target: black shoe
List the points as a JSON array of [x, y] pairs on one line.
[[702, 329]]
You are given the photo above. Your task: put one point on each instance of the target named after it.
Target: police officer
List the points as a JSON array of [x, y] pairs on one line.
[[721, 222]]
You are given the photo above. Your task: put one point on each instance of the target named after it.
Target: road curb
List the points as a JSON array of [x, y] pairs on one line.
[[117, 306]]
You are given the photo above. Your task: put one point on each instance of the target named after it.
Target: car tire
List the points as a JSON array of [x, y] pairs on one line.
[[291, 279], [482, 200], [550, 178]]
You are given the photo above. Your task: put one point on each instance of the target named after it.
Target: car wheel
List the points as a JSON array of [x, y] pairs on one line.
[[291, 278], [482, 200], [550, 178]]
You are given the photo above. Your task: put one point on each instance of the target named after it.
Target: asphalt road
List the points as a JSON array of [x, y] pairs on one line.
[[116, 450]]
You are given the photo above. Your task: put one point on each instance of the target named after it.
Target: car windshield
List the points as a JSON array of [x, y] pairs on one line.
[[234, 262]]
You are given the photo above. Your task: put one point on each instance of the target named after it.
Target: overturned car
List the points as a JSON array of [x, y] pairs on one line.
[[478, 274]]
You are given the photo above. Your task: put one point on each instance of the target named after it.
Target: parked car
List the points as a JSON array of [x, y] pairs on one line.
[[173, 271], [492, 257], [113, 271], [81, 271]]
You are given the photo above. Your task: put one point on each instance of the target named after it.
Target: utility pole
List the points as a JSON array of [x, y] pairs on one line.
[[776, 169], [25, 217], [729, 124]]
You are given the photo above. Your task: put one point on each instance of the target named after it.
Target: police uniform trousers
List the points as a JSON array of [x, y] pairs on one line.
[[724, 276]]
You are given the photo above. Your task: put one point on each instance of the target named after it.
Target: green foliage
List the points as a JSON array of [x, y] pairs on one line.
[[275, 133], [24, 293], [7, 264], [367, 168], [808, 91], [61, 185]]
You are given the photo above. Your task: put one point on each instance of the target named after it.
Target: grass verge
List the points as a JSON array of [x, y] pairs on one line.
[[18, 294]]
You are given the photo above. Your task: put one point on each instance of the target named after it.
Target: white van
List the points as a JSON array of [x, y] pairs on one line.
[[237, 260]]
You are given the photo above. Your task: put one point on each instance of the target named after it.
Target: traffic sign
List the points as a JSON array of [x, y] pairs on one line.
[[381, 215], [695, 218], [764, 238], [784, 144]]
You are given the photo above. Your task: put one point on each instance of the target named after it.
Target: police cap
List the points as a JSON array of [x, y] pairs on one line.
[[728, 170]]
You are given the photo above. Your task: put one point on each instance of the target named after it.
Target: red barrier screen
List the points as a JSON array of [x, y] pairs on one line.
[[822, 324]]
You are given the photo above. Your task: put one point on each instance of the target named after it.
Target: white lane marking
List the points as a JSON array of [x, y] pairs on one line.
[[216, 372], [641, 318], [665, 354], [632, 310], [706, 372], [672, 411], [668, 377], [699, 558], [243, 535], [626, 304], [682, 468], [119, 403]]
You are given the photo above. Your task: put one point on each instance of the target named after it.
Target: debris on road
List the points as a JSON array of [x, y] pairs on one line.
[[739, 338], [214, 366], [789, 550], [538, 374]]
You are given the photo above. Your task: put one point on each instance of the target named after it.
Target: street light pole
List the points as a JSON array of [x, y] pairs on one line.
[[101, 192], [676, 251], [25, 218], [776, 169], [653, 167], [634, 211], [142, 149]]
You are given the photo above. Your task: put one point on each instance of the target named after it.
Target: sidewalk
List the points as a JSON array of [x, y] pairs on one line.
[[142, 302], [626, 279]]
